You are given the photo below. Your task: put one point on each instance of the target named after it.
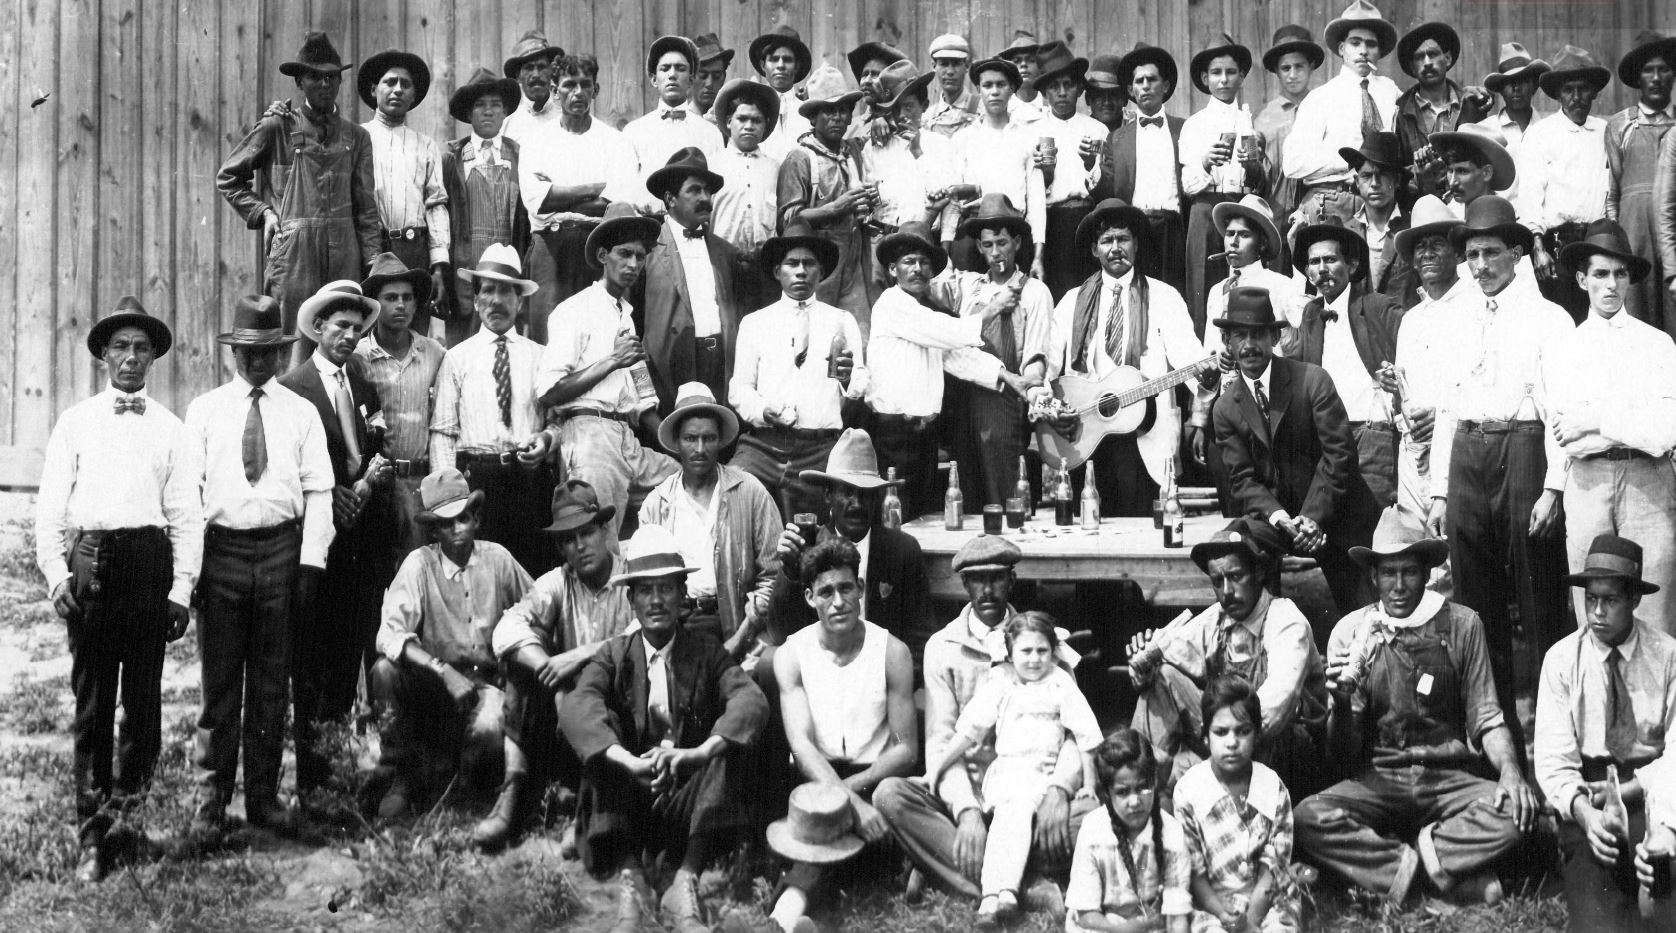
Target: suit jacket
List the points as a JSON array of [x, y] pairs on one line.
[[709, 694], [1373, 319], [1397, 280], [1302, 458], [898, 592], [1117, 165], [664, 311], [459, 206], [304, 379], [1412, 139]]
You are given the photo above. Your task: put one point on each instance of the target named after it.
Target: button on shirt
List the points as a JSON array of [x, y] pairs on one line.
[[747, 206], [1563, 174], [1002, 161], [657, 685], [910, 348], [1157, 178], [407, 182], [765, 366], [598, 154], [1072, 178], [298, 480], [1330, 119], [1032, 320], [1625, 370], [655, 138], [1198, 133], [701, 279], [134, 470], [903, 181], [581, 332], [1169, 344], [1276, 625], [1363, 400], [449, 609], [404, 392], [467, 415], [560, 613]]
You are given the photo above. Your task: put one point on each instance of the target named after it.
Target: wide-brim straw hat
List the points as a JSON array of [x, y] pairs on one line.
[[500, 263], [828, 88], [695, 398], [818, 826], [651, 554], [1254, 209], [1514, 64], [1429, 217], [334, 295]]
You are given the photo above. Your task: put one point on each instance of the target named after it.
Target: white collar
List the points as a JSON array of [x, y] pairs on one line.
[[686, 105], [116, 393], [1266, 377], [478, 141], [452, 570], [328, 369], [1348, 71], [794, 306], [1627, 647], [1213, 103], [1341, 304], [664, 652], [1642, 111], [733, 147], [1107, 283], [1617, 321], [679, 231]]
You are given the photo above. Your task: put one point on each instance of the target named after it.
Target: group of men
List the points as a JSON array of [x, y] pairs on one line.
[[1379, 316]]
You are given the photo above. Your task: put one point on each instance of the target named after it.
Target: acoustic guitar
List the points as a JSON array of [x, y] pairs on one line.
[[1122, 403]]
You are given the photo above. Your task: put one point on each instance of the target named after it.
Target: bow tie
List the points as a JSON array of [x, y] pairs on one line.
[[695, 233], [1328, 314], [1151, 121], [674, 114], [135, 405]]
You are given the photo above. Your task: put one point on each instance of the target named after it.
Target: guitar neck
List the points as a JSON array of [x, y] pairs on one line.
[[1147, 390]]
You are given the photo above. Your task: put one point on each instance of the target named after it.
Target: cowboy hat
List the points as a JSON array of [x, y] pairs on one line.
[[620, 224], [900, 79], [852, 462], [343, 293], [818, 825], [483, 83], [386, 268], [710, 48], [531, 45], [663, 45], [949, 45], [1429, 217], [1249, 306], [317, 56], [1259, 541], [1054, 60], [683, 164], [129, 313], [1514, 64], [1023, 43], [1008, 69], [373, 69], [695, 398], [443, 495], [576, 505], [859, 56], [1397, 535], [1488, 141], [799, 234], [912, 237], [1292, 38], [1447, 39], [1492, 215], [1111, 212], [258, 321], [1254, 209], [500, 263], [1606, 238], [745, 91], [1201, 62], [827, 88], [996, 211], [1350, 244], [1143, 54], [1383, 149], [1648, 45], [1573, 64], [778, 37], [1361, 14], [651, 554], [1613, 558]]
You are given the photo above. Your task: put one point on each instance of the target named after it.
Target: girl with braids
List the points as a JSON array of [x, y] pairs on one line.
[[1131, 871]]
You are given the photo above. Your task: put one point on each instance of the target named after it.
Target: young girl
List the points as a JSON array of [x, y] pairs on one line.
[[1131, 871], [1031, 703], [1237, 816]]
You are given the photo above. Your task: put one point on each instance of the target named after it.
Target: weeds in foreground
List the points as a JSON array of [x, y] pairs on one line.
[[39, 706]]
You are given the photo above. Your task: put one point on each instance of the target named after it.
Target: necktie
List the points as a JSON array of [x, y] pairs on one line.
[[1151, 121], [135, 405], [1262, 399], [1370, 112], [486, 152], [503, 380], [1114, 326], [657, 694], [346, 423], [800, 341], [675, 114], [255, 440], [1620, 721], [998, 333], [1231, 282]]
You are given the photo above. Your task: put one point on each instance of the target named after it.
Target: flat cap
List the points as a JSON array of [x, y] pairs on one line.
[[987, 552], [950, 46]]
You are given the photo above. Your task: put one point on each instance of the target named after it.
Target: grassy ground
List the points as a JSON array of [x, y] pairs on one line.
[[417, 876]]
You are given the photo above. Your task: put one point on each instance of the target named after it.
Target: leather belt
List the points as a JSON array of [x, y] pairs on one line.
[[1618, 453], [708, 343], [597, 413], [253, 534], [1160, 213], [486, 456], [407, 233], [1499, 427], [418, 467], [797, 434], [1383, 427], [914, 423]]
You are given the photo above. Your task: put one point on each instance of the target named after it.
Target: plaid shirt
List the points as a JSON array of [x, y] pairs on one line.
[[1100, 879], [1230, 842]]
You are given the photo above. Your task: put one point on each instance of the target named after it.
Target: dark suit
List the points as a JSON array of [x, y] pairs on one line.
[[663, 311], [1302, 459], [462, 251], [708, 695], [1397, 278], [898, 592], [1373, 320], [1163, 257], [331, 637]]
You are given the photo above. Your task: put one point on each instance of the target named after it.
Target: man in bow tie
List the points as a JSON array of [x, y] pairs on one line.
[[119, 537], [675, 123], [1141, 164]]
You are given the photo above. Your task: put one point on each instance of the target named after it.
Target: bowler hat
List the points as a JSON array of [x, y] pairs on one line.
[[1361, 14], [1143, 54], [1249, 306], [317, 56], [818, 827], [1492, 215], [912, 237], [387, 268], [1446, 37], [1573, 64], [483, 83], [746, 91], [372, 71], [651, 554], [257, 322], [1398, 534], [1201, 62], [682, 165], [1513, 64], [852, 462], [1292, 38], [1613, 558], [1606, 238], [620, 224], [695, 398], [780, 37], [443, 495], [576, 505], [129, 313]]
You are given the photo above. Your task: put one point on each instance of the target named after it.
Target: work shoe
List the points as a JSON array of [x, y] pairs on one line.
[[494, 831], [91, 868], [209, 821], [1483, 887], [989, 913], [631, 896], [396, 800], [1408, 866], [740, 920], [680, 905], [915, 888]]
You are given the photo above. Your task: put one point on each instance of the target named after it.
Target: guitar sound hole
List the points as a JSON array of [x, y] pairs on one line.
[[1108, 405]]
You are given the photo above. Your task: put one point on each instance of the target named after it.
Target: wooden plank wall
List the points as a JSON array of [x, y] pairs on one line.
[[110, 180]]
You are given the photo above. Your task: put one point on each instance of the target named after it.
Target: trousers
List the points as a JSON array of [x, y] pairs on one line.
[[608, 455], [426, 736], [330, 643], [1636, 499]]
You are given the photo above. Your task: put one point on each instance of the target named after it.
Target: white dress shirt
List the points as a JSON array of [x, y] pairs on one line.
[[1625, 370], [598, 154], [581, 331], [525, 122], [479, 159], [1428, 348], [1515, 135], [298, 480], [1363, 399], [903, 181], [791, 128], [701, 279], [467, 416], [1032, 320], [655, 138], [910, 347], [746, 210], [1563, 175], [1157, 181], [104, 471], [1198, 133], [1002, 161], [1330, 119], [693, 524], [407, 182], [765, 370], [1071, 178]]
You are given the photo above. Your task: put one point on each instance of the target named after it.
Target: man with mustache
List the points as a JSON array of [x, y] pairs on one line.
[[675, 123], [119, 539], [1634, 139], [1617, 432], [531, 65], [1435, 104], [1104, 94]]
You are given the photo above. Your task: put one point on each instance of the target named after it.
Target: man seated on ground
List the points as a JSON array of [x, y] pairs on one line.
[[1413, 702], [1251, 631], [543, 641], [945, 829], [847, 704], [658, 718], [436, 675]]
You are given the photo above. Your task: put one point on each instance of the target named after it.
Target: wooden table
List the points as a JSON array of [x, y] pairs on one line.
[[1123, 548]]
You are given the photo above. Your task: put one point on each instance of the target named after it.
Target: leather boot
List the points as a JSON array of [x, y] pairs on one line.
[[497, 829], [632, 894]]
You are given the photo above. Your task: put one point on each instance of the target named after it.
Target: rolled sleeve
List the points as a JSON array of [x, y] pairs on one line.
[[521, 625], [404, 608], [1558, 758]]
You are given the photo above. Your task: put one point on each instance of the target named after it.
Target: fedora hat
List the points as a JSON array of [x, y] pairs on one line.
[[620, 224], [996, 210], [1573, 64], [576, 505], [710, 48], [1447, 39], [1254, 209], [912, 237], [1613, 558], [1111, 211], [444, 494], [682, 165], [818, 825], [500, 263], [257, 322], [483, 83], [1292, 38], [1513, 64], [853, 462], [1648, 45], [1350, 243], [950, 45], [386, 268], [1249, 306], [899, 79], [859, 56], [1006, 68], [1361, 14], [1023, 43], [651, 554], [827, 88], [1488, 141], [780, 37], [530, 46], [1492, 215], [1398, 534], [317, 56], [1102, 73], [1201, 61], [1143, 54], [1606, 238], [1383, 149], [344, 293], [372, 71], [695, 398], [1429, 217], [1259, 541], [129, 313], [745, 91], [663, 45], [1055, 60], [799, 234]]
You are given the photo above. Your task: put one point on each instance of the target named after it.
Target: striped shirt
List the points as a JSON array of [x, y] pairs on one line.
[[747, 206], [467, 415], [405, 387], [599, 153], [407, 182]]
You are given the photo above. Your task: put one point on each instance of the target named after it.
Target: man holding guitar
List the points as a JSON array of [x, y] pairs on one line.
[[1120, 337]]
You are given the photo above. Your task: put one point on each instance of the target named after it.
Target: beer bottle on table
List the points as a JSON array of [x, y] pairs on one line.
[[1090, 499], [893, 502], [1023, 490], [953, 502], [1064, 502], [1174, 520]]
